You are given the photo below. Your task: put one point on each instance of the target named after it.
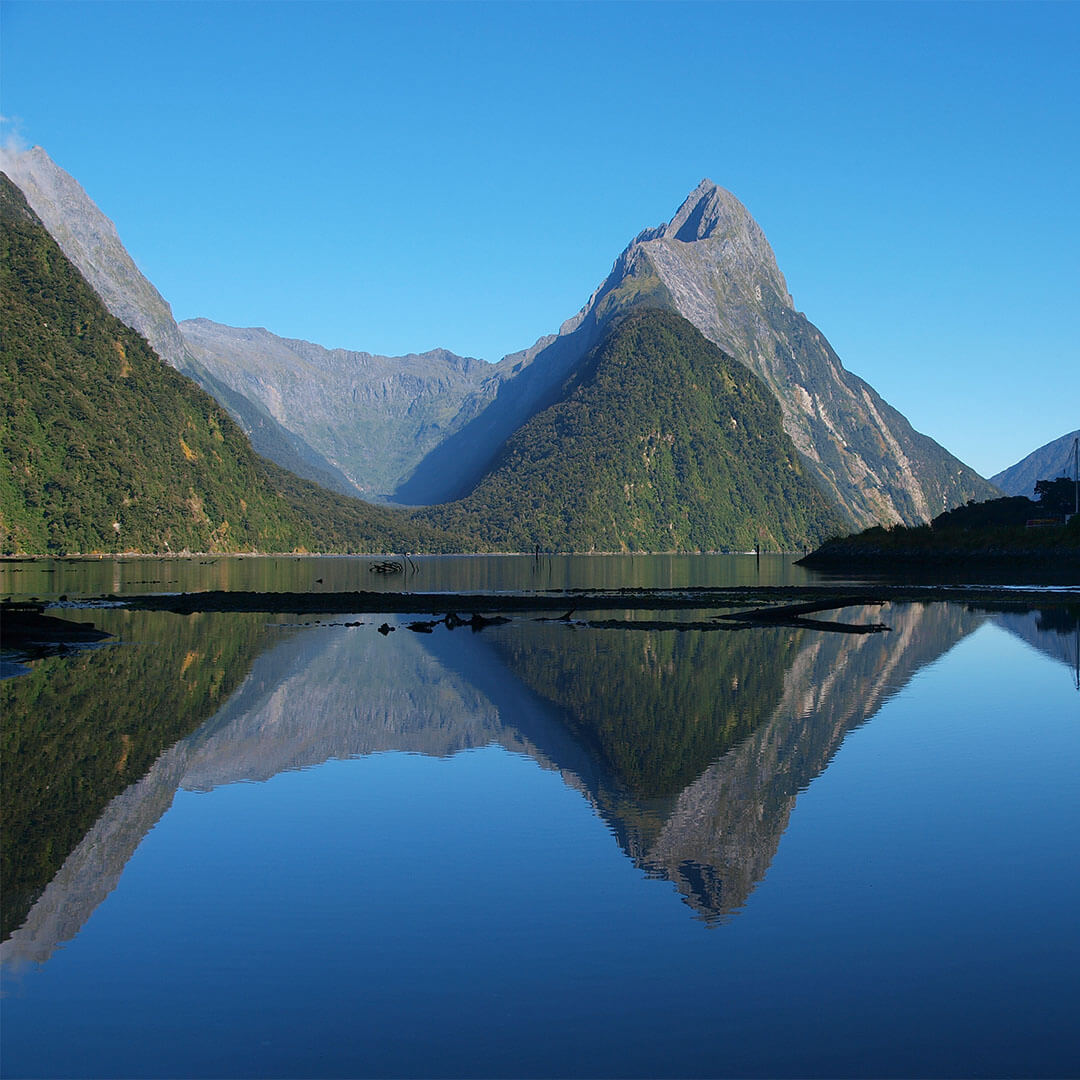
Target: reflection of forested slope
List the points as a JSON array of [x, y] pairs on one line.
[[323, 693], [729, 728], [724, 829], [655, 708], [1054, 632], [77, 731], [691, 746]]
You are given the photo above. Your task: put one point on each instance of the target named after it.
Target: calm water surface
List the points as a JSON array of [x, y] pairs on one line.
[[239, 846], [52, 578]]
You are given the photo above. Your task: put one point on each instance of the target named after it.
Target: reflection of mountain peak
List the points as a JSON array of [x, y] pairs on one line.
[[765, 712], [733, 816], [340, 694]]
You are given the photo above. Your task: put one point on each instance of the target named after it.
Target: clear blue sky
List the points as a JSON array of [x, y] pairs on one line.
[[394, 177]]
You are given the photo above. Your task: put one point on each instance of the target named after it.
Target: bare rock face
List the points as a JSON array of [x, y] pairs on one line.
[[89, 239], [715, 262]]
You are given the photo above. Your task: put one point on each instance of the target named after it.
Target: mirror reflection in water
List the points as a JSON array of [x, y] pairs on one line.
[[451, 823]]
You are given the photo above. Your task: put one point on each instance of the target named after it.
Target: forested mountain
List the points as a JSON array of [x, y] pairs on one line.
[[713, 265], [105, 448], [89, 239], [424, 429], [1048, 462], [659, 442]]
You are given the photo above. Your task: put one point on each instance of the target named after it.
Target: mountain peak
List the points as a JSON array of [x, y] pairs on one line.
[[707, 211]]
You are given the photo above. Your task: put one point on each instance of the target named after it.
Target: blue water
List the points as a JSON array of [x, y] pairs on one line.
[[496, 898]]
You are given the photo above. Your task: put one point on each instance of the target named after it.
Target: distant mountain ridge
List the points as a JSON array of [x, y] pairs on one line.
[[372, 416], [1046, 463]]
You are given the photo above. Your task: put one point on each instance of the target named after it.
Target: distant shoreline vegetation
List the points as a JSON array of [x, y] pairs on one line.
[[470, 553], [1016, 529]]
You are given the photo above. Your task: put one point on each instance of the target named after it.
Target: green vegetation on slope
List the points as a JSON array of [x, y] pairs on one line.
[[104, 448], [660, 442]]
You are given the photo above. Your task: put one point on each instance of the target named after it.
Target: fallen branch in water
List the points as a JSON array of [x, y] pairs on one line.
[[793, 615], [734, 624], [686, 599], [783, 612]]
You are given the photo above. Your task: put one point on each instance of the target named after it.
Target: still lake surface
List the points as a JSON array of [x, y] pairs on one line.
[[244, 845]]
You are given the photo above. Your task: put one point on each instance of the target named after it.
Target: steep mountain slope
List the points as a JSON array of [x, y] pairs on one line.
[[425, 429], [90, 241], [105, 448], [374, 417], [659, 442], [712, 264], [1049, 461]]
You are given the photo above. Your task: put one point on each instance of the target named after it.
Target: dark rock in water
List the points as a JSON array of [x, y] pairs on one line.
[[25, 629], [424, 627], [386, 628]]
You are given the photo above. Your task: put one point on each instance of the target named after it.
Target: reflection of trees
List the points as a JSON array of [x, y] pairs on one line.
[[327, 692], [78, 730], [716, 837], [692, 746], [654, 708]]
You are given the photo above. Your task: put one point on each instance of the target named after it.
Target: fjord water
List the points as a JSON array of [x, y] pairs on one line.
[[52, 578], [239, 846]]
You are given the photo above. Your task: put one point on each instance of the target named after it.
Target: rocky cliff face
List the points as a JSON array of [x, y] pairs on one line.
[[90, 241], [714, 261], [372, 416], [713, 265]]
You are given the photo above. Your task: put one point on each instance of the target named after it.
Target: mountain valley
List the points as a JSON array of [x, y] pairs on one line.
[[536, 450]]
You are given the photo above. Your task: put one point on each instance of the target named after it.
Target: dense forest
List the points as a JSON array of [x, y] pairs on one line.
[[104, 448], [659, 442]]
